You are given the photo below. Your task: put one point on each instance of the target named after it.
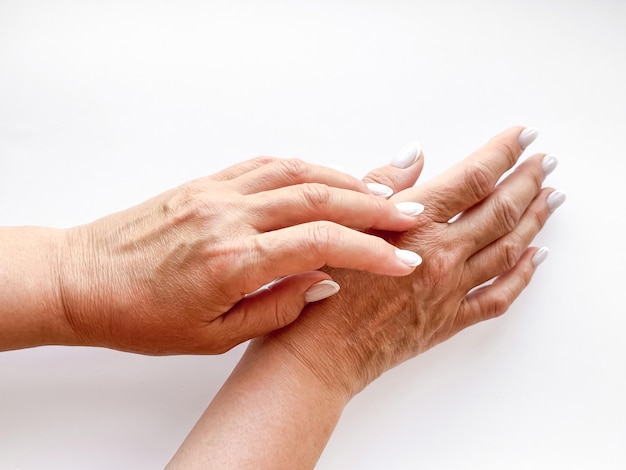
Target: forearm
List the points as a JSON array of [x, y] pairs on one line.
[[272, 413], [30, 308]]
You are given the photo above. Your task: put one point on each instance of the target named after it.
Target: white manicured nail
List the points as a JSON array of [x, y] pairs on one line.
[[555, 199], [527, 136], [408, 155], [321, 290], [549, 163], [409, 258], [540, 256], [410, 208], [378, 189]]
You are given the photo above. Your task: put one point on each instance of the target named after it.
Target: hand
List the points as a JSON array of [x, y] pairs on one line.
[[182, 272], [377, 322], [293, 384]]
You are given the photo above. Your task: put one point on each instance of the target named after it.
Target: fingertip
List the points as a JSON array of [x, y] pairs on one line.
[[540, 256], [378, 189], [408, 156], [321, 290], [527, 136], [410, 208], [408, 258]]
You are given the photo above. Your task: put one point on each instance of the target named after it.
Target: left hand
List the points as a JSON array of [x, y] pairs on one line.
[[377, 322]]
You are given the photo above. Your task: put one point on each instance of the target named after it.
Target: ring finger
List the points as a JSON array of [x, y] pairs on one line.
[[503, 254]]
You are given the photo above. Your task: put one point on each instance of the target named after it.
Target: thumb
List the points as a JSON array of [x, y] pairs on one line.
[[276, 305]]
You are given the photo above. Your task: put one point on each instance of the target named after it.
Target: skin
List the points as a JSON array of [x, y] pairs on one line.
[[280, 405], [181, 273]]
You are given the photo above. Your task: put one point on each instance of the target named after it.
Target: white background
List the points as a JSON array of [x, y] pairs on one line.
[[106, 103]]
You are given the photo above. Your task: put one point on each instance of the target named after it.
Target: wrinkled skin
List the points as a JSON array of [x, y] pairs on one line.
[[376, 322], [181, 272]]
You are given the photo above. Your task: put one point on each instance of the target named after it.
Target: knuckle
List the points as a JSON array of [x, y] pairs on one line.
[[316, 195], [440, 266], [510, 252], [509, 149], [537, 220], [202, 209], [507, 212], [294, 169], [283, 315], [501, 302], [263, 160], [321, 235], [478, 180]]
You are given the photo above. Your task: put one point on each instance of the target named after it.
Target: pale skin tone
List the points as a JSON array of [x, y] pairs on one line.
[[281, 403], [181, 272]]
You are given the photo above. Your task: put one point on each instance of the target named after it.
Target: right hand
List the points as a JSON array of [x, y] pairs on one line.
[[181, 272]]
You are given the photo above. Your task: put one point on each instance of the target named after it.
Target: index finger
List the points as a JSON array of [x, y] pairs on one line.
[[287, 172], [471, 180]]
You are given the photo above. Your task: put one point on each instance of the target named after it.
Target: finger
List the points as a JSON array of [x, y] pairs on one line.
[[502, 210], [403, 170], [495, 299], [289, 172], [308, 247], [242, 168], [504, 254], [293, 205], [276, 306], [471, 180]]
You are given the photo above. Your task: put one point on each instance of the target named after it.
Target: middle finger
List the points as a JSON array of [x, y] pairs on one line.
[[293, 205], [502, 210]]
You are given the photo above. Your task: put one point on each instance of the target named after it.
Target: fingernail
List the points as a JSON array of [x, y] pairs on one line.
[[540, 256], [408, 155], [555, 199], [321, 290], [549, 163], [378, 189], [409, 258], [410, 208], [527, 136]]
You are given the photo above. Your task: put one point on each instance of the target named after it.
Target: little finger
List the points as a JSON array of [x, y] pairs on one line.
[[495, 299]]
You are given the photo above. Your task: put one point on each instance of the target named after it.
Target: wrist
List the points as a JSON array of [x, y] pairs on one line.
[[348, 340], [271, 413], [31, 311], [78, 273]]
